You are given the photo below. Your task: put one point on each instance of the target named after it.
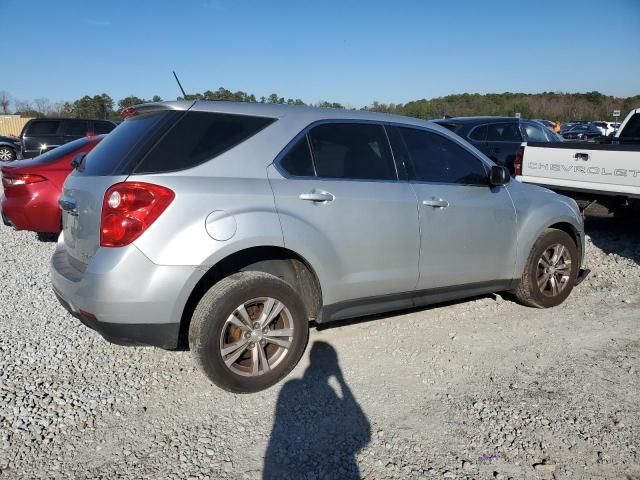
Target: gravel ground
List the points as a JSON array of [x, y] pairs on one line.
[[476, 389]]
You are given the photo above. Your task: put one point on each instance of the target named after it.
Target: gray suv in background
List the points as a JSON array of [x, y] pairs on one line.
[[233, 225]]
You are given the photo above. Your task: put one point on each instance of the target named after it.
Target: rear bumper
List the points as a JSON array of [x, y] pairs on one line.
[[123, 296], [31, 210]]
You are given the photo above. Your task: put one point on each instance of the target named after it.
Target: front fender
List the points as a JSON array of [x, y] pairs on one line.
[[538, 209]]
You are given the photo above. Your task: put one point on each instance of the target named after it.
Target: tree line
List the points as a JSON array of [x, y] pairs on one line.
[[548, 105]]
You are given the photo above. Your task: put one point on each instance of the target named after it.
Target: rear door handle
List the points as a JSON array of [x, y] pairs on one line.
[[321, 196], [436, 203], [581, 156]]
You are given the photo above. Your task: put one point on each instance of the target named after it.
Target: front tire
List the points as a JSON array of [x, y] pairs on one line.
[[248, 331], [7, 154], [550, 272]]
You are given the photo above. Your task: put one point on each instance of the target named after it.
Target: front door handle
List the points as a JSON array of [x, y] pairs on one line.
[[436, 203], [321, 196]]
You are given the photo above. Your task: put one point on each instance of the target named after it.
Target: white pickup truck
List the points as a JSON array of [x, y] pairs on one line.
[[606, 171]]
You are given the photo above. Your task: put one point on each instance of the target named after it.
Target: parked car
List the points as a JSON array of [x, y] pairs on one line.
[[499, 137], [236, 224], [10, 148], [606, 171], [42, 134], [32, 187], [585, 131]]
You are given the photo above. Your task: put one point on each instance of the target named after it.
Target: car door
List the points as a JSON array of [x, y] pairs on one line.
[[503, 139], [467, 227], [342, 207]]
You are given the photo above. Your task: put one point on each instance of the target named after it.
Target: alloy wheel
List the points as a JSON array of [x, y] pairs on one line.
[[256, 337], [554, 270]]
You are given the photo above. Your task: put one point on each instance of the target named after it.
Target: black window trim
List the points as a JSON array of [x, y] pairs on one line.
[[486, 166], [399, 169]]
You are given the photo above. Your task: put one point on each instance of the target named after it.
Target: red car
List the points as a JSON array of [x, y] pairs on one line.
[[32, 187]]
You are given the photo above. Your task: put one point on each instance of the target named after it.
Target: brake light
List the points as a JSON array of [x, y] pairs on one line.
[[129, 112], [128, 209], [517, 164], [11, 179]]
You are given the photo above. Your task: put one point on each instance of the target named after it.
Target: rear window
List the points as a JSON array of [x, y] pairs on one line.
[[198, 137], [125, 146], [59, 152], [169, 140], [42, 127]]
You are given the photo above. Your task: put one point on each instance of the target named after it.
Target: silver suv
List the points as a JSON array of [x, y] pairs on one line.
[[233, 225]]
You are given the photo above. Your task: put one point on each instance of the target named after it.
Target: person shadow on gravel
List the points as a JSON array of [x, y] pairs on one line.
[[317, 433]]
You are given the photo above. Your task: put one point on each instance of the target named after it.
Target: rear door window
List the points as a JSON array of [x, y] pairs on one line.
[[75, 128], [198, 137], [298, 161], [503, 132], [353, 151], [43, 127]]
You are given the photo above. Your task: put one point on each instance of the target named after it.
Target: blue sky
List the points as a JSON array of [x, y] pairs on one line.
[[345, 51]]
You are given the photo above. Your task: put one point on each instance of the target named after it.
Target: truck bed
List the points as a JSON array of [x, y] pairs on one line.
[[609, 168]]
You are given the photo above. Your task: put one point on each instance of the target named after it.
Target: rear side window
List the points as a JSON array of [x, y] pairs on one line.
[[102, 127], [297, 161], [350, 150], [43, 127], [198, 137], [434, 158], [59, 152], [632, 128], [503, 132], [479, 134]]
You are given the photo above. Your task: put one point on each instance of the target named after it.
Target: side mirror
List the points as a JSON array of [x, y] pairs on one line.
[[77, 161], [499, 175]]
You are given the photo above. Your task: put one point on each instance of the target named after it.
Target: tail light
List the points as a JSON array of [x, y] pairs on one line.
[[11, 179], [517, 164], [128, 209]]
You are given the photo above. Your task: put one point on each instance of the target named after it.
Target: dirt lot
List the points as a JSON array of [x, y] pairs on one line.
[[477, 389]]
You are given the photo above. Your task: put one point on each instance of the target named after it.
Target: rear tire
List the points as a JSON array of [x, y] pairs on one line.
[[550, 272], [238, 348]]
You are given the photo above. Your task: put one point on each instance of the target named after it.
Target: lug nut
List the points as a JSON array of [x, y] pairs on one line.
[[247, 335], [263, 342], [265, 330], [251, 345]]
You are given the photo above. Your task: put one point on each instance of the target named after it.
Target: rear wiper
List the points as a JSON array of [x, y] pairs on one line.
[[78, 161]]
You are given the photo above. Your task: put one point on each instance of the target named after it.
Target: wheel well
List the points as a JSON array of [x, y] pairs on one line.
[[278, 261], [569, 230]]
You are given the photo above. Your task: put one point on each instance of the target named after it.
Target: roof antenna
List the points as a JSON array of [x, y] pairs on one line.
[[184, 95]]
